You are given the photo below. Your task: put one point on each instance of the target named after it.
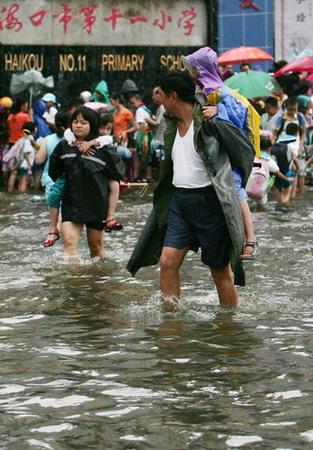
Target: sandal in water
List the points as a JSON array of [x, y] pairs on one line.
[[253, 254], [55, 235]]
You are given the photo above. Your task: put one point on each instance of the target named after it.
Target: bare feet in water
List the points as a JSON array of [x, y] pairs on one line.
[[170, 303]]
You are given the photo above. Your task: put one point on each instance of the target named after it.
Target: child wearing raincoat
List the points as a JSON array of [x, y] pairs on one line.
[[101, 93]]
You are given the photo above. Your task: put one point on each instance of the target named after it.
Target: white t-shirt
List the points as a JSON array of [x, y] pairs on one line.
[[141, 115], [160, 130], [28, 148], [189, 170], [268, 122], [292, 149], [159, 113], [50, 115], [272, 166]]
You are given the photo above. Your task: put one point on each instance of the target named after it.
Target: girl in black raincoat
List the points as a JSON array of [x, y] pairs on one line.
[[85, 199]]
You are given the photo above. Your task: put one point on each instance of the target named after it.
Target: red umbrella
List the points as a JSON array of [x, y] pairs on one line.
[[240, 55], [304, 64]]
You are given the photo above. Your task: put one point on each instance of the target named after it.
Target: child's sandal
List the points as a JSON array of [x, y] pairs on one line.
[[253, 254], [112, 224], [51, 241]]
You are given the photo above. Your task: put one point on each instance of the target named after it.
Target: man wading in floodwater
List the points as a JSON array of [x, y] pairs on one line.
[[195, 204]]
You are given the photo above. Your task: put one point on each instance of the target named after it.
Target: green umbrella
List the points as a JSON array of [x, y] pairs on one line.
[[253, 83]]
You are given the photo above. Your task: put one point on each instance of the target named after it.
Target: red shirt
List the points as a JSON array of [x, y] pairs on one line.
[[15, 124], [121, 122]]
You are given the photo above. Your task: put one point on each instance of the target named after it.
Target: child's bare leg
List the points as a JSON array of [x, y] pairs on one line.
[[301, 184], [284, 195], [279, 195], [54, 233], [54, 218], [138, 168], [23, 183], [247, 220], [11, 181], [249, 230], [110, 223], [114, 193], [293, 188]]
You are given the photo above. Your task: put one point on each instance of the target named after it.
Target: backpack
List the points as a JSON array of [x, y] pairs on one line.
[[279, 150], [257, 185], [14, 158]]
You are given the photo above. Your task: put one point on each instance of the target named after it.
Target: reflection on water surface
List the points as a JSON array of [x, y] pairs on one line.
[[90, 360]]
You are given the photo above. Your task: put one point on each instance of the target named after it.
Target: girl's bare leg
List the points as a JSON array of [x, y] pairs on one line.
[[95, 242], [71, 233]]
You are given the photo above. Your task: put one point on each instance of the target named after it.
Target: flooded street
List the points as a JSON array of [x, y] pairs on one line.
[[90, 360]]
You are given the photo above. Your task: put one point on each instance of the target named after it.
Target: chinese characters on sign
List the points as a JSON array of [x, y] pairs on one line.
[[293, 30], [14, 17], [9, 20], [104, 22], [304, 12]]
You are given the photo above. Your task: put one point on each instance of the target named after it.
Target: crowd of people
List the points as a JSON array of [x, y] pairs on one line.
[[81, 152]]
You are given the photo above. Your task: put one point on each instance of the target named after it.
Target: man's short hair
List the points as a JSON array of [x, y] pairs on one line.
[[180, 82], [292, 129], [304, 86], [135, 97], [291, 101], [245, 64], [74, 102], [271, 101]]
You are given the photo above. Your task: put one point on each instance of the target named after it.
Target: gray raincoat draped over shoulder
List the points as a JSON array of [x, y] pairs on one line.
[[221, 146]]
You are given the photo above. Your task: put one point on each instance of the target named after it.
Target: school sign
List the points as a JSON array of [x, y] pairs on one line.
[[80, 42]]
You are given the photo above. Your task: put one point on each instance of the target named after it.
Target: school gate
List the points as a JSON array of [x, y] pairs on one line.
[[81, 42]]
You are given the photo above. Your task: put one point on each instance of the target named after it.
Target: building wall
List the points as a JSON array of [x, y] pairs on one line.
[[248, 23]]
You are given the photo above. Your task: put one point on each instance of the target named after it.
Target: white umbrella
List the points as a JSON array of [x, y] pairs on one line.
[[98, 105], [32, 80]]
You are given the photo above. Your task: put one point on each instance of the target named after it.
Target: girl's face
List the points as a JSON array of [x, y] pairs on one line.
[[113, 102], [80, 127], [106, 130]]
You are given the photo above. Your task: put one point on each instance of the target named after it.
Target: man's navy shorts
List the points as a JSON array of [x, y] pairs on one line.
[[195, 219]]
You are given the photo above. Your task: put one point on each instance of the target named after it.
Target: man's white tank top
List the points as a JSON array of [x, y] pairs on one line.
[[189, 170]]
